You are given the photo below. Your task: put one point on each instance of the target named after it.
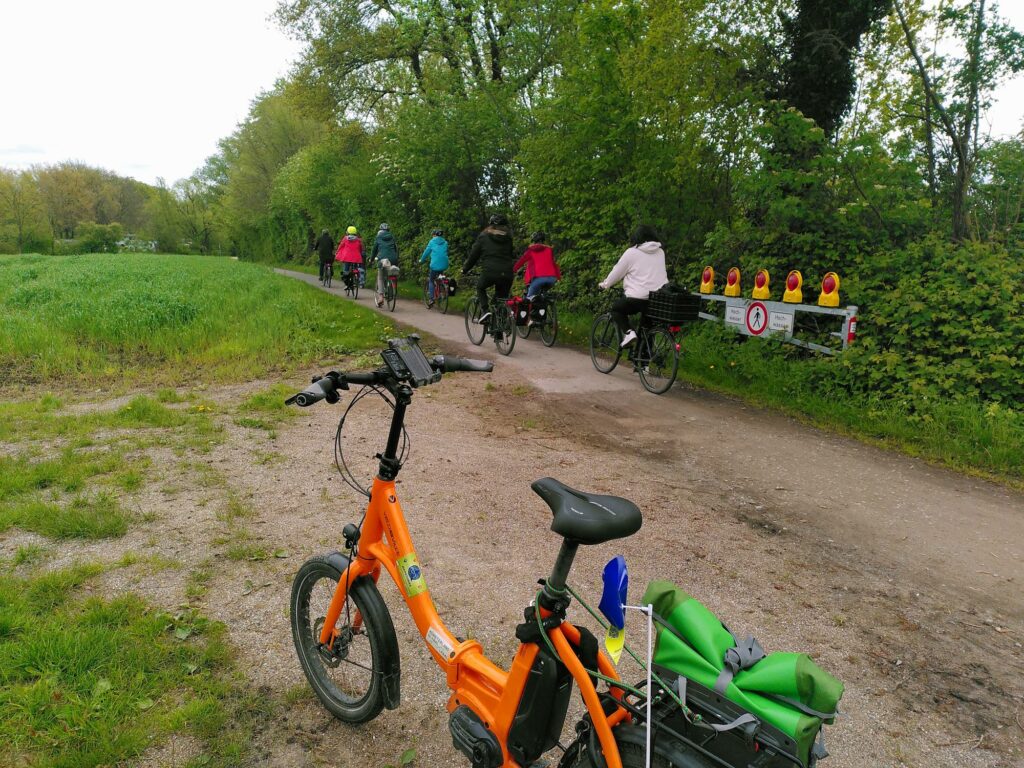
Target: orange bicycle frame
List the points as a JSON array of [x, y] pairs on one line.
[[489, 691]]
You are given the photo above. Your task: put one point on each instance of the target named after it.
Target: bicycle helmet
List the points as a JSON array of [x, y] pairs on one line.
[[384, 226], [437, 232], [498, 220], [538, 237], [352, 231]]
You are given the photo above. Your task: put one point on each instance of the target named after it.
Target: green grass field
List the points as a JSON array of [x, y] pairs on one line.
[[97, 681], [135, 318]]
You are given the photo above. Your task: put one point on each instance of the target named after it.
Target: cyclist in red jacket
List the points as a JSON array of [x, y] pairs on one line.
[[541, 270], [350, 252]]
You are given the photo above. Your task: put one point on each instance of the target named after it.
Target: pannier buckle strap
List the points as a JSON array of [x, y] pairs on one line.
[[743, 656]]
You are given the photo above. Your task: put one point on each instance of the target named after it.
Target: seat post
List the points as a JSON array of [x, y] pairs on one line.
[[555, 585]]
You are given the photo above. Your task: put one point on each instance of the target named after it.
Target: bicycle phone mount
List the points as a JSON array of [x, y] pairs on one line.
[[407, 363]]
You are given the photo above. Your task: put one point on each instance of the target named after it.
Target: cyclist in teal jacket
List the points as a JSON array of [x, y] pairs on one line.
[[437, 252]]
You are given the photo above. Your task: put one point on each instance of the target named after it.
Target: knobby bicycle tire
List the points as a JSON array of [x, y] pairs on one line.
[[504, 329], [660, 365], [604, 343], [475, 330], [352, 689]]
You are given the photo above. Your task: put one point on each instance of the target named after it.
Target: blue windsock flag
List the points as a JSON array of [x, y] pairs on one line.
[[613, 596]]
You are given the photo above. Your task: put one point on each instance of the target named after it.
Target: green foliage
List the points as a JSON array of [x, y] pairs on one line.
[[136, 317], [88, 682], [98, 238], [942, 325], [822, 39], [963, 433]]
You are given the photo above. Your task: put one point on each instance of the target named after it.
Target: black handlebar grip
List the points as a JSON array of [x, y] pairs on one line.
[[314, 393], [450, 363], [363, 377]]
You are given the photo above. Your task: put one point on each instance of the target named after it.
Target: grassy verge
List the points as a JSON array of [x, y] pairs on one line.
[[132, 318], [91, 682], [981, 439]]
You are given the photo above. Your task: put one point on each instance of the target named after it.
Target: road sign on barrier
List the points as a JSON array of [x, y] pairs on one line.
[[756, 318]]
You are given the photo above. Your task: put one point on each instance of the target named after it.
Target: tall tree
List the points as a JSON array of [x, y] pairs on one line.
[[21, 205], [962, 90], [822, 41]]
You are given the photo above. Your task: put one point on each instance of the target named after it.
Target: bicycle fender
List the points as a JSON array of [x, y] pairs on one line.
[[391, 670]]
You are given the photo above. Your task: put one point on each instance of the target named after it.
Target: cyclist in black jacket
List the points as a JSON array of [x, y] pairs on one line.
[[493, 250], [325, 250]]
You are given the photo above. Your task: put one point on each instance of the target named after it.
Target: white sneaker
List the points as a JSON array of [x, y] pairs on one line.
[[628, 338], [484, 318]]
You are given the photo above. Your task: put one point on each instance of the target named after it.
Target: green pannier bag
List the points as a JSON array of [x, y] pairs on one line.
[[786, 690]]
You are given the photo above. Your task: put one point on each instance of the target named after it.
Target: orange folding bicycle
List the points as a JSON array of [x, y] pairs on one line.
[[346, 641]]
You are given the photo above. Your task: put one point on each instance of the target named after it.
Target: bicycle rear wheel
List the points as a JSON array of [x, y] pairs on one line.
[[659, 363], [504, 328], [475, 330], [524, 330], [348, 677], [441, 301], [391, 292], [549, 330], [604, 343], [355, 283], [328, 274]]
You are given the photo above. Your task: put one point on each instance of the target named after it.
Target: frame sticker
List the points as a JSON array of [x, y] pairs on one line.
[[412, 575], [437, 641]]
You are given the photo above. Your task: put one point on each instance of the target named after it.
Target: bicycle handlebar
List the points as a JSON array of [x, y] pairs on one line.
[[326, 387]]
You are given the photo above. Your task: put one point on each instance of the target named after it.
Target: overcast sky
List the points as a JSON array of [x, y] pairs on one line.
[[145, 88]]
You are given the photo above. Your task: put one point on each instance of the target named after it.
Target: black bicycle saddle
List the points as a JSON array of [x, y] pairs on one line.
[[587, 518]]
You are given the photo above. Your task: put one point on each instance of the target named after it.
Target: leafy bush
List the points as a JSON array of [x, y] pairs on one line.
[[939, 322], [99, 238]]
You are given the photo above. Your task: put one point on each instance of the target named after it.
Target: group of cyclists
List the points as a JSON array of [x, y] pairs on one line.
[[641, 268]]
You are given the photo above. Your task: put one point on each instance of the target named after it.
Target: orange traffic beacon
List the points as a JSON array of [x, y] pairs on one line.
[[346, 641]]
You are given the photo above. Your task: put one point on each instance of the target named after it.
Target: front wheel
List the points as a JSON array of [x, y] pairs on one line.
[[348, 677], [391, 292], [475, 330], [604, 343], [659, 363], [549, 330]]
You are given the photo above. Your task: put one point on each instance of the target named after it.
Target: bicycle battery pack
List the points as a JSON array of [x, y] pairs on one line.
[[538, 720], [406, 361]]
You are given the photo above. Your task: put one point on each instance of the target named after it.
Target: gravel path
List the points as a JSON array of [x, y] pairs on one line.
[[905, 575]]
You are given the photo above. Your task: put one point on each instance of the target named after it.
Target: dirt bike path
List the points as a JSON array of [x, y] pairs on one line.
[[951, 532], [902, 578]]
